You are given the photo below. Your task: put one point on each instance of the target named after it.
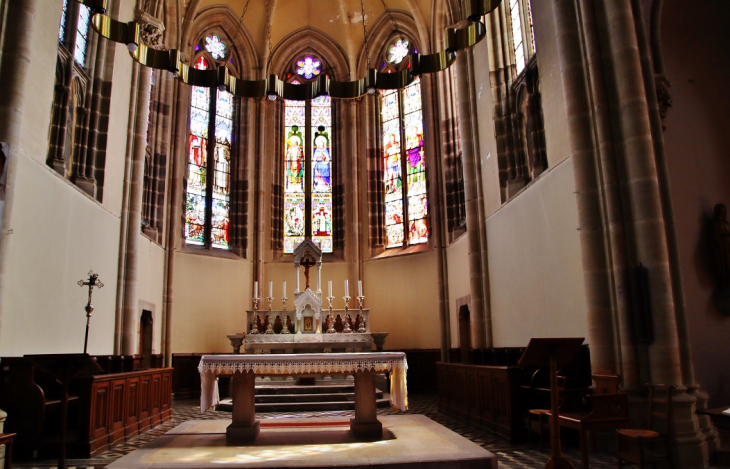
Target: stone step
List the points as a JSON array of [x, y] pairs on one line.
[[226, 406], [317, 397], [298, 389]]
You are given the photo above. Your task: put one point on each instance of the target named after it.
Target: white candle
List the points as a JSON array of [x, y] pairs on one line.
[[359, 288], [347, 288], [256, 289], [271, 288], [330, 287], [284, 288]]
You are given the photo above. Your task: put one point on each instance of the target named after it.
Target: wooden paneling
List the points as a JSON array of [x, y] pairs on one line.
[[486, 396], [120, 406]]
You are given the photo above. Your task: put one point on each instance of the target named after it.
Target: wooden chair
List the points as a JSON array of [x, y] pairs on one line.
[[638, 453], [605, 382], [7, 440]]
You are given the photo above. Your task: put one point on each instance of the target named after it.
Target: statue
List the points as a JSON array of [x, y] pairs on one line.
[[720, 232], [721, 244]]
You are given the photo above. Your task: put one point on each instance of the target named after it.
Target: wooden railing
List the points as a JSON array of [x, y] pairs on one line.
[[486, 396]]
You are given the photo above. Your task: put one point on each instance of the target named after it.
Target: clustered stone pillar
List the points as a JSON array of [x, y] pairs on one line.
[[134, 214], [620, 206], [481, 318]]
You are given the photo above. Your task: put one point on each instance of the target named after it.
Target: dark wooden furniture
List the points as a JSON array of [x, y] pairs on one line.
[[486, 396], [660, 407], [120, 406], [103, 409], [64, 368], [7, 440], [593, 412], [721, 419], [555, 352]]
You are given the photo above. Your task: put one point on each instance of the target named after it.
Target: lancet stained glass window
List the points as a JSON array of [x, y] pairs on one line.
[[62, 28], [523, 41], [195, 203], [308, 172], [402, 120], [208, 198], [82, 35]]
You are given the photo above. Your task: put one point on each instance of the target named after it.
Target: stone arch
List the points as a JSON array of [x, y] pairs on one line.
[[219, 20], [306, 40], [382, 33]]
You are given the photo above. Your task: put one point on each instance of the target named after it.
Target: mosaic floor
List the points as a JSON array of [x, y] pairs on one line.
[[509, 456]]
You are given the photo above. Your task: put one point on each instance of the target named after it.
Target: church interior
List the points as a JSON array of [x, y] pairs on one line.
[[469, 174]]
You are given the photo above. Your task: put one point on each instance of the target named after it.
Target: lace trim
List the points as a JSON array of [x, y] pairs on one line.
[[273, 364]]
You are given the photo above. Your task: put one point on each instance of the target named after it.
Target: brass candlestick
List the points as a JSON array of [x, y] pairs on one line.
[[331, 326]]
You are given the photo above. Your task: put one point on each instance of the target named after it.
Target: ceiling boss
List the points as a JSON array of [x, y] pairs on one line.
[[456, 39]]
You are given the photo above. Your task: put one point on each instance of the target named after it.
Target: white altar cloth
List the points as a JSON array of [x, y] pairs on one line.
[[304, 363]]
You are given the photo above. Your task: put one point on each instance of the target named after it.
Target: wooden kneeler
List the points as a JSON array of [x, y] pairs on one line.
[[553, 352]]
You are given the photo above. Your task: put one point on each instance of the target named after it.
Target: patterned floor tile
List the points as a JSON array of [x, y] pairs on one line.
[[509, 456]]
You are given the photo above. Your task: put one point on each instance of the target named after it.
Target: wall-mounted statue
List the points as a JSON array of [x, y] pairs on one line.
[[720, 235]]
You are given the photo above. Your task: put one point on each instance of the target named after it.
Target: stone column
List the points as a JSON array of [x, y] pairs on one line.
[[134, 215], [481, 332], [16, 56]]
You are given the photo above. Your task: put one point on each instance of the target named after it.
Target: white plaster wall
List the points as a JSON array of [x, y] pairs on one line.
[[211, 296], [402, 294], [535, 269], [59, 233]]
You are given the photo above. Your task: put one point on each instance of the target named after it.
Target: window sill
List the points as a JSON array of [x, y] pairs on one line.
[[203, 251], [397, 252]]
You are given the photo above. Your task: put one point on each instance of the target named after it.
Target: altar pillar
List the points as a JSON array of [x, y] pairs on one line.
[[365, 423], [297, 268], [244, 428]]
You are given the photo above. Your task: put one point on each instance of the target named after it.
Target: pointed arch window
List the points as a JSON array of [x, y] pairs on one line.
[[308, 180], [207, 198], [523, 34], [404, 162]]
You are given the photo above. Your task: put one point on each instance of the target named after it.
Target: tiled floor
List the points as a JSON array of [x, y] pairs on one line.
[[509, 456]]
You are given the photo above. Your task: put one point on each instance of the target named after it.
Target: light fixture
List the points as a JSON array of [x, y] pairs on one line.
[[132, 47], [456, 39], [370, 81]]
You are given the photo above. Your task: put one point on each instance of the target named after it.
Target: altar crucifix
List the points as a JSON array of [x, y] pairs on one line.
[[307, 262]]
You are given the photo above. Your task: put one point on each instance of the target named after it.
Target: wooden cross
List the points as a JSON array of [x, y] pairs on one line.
[[307, 262]]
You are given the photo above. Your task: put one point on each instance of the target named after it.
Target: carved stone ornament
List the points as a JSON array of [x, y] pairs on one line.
[[151, 30]]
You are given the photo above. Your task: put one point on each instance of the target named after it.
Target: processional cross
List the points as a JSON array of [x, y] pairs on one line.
[[92, 282], [307, 262]]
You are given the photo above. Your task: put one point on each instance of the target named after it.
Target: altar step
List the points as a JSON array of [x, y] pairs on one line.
[[292, 397]]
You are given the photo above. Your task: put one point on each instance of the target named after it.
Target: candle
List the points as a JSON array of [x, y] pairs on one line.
[[359, 288], [330, 287], [271, 288], [284, 288], [256, 289], [347, 288]]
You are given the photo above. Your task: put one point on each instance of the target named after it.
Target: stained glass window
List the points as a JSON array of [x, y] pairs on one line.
[[195, 207], [308, 67], [215, 47], [322, 173], [517, 35], [62, 29], [397, 51], [402, 117], [82, 34], [221, 173], [308, 171], [294, 183], [523, 42]]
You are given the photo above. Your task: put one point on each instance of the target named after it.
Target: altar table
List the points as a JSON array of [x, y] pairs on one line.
[[243, 370]]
